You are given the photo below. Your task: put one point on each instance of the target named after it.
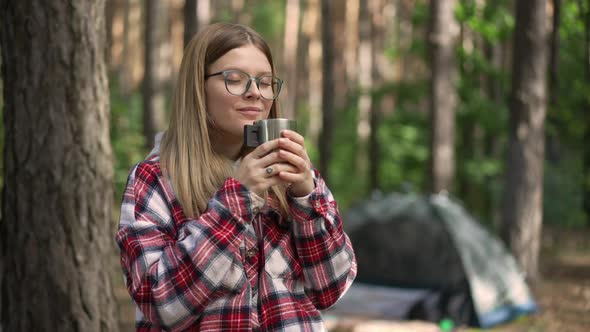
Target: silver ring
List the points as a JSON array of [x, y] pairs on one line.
[[268, 170]]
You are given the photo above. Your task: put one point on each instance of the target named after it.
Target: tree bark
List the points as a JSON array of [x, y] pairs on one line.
[[325, 144], [57, 229], [292, 19], [523, 199], [157, 68], [443, 32]]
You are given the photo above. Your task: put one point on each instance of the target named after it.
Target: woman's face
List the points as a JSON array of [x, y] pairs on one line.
[[230, 112]]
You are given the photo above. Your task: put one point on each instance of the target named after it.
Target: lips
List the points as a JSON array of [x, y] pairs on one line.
[[250, 110]]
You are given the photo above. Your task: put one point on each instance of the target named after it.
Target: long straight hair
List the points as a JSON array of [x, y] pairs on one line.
[[187, 157]]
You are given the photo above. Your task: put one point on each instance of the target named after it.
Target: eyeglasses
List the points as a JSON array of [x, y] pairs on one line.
[[238, 83]]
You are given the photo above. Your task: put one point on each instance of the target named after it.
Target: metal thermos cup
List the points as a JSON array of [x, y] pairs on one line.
[[266, 130]]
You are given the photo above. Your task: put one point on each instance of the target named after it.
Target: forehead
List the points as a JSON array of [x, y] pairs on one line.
[[247, 58]]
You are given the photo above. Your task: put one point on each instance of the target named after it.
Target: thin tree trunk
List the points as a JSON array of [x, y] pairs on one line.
[[292, 19], [523, 199], [377, 45], [586, 159], [325, 143], [552, 141], [157, 68], [190, 20], [312, 28], [365, 76], [338, 25], [132, 61], [352, 42], [443, 100], [554, 54], [57, 231]]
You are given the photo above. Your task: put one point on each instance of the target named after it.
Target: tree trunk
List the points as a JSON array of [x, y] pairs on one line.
[[338, 25], [352, 42], [586, 153], [365, 82], [157, 68], [57, 228], [443, 31], [190, 20], [132, 62], [312, 29], [325, 143], [523, 199], [552, 141], [292, 18]]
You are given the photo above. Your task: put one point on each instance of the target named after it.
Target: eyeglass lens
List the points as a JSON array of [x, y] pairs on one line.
[[238, 83]]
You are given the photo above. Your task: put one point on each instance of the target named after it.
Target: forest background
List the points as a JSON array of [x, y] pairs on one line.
[[411, 96], [380, 119]]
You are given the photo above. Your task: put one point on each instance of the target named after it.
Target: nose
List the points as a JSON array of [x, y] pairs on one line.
[[253, 90]]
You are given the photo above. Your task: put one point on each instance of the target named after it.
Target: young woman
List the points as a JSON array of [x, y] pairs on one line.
[[217, 237]]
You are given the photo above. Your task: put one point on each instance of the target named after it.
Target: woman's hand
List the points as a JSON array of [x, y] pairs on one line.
[[259, 169], [292, 150]]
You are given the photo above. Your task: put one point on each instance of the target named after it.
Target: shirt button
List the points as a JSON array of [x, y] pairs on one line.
[[251, 252], [256, 210], [317, 205]]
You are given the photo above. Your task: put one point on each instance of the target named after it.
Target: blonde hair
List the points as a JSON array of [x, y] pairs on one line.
[[195, 170]]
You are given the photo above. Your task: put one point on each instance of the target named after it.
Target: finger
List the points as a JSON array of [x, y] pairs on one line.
[[265, 148], [292, 146], [269, 159], [294, 136], [295, 160], [291, 177], [275, 169]]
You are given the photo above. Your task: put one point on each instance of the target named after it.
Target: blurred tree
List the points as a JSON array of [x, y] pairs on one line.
[[442, 36], [585, 16], [379, 67], [191, 21], [56, 232], [196, 14], [291, 40], [131, 64], [325, 142], [365, 82], [584, 8], [523, 199], [312, 30], [158, 67]]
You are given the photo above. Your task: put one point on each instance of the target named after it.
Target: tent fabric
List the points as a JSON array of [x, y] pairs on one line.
[[432, 243], [498, 288]]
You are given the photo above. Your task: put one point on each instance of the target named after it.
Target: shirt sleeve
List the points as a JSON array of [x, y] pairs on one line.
[[324, 250], [174, 271]]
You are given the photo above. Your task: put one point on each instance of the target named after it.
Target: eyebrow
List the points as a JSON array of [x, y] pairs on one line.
[[260, 73]]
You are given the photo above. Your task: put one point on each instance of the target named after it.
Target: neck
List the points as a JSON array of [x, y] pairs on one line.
[[226, 147]]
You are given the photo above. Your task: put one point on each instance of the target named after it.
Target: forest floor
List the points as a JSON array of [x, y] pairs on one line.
[[563, 294]]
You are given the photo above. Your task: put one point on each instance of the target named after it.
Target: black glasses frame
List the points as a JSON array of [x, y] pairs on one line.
[[226, 73]]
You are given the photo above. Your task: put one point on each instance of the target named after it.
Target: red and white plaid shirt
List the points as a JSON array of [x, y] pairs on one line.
[[238, 266]]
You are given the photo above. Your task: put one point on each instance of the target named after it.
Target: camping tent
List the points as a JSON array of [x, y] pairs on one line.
[[431, 248]]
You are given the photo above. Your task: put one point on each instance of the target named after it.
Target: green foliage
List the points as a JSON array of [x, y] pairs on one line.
[[268, 18], [126, 135], [403, 140], [346, 179], [563, 193]]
